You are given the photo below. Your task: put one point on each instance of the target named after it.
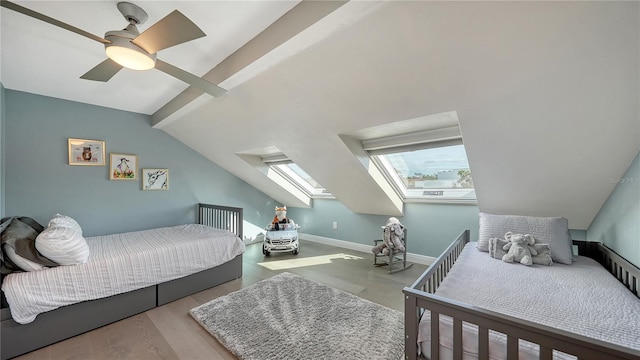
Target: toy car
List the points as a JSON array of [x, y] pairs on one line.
[[278, 241]]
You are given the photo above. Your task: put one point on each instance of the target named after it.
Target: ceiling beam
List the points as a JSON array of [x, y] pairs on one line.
[[296, 20]]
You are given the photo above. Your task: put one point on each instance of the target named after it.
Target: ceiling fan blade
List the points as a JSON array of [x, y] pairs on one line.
[[52, 21], [190, 79], [173, 29], [103, 71]]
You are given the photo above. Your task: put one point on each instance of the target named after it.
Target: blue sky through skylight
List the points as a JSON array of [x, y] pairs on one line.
[[429, 161]]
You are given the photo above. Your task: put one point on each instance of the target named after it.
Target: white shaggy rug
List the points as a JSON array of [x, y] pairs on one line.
[[290, 317]]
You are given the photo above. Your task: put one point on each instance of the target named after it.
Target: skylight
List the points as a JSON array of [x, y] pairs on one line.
[[432, 173], [298, 177], [422, 159]]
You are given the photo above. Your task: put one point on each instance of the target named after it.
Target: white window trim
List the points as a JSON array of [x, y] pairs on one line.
[[442, 137], [272, 160], [299, 182], [414, 141]]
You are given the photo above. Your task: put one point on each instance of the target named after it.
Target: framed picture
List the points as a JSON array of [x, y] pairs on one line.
[[155, 179], [123, 167], [86, 152]]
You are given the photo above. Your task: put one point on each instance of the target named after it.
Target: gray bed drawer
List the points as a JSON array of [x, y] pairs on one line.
[[72, 320], [179, 288]]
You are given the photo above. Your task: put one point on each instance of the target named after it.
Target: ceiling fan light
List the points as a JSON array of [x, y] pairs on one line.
[[122, 51]]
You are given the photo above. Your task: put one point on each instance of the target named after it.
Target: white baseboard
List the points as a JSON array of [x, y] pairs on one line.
[[414, 258]]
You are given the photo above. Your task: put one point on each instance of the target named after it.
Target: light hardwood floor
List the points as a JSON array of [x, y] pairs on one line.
[[169, 332]]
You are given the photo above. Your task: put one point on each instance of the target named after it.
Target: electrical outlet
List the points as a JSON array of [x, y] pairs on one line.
[[335, 224]]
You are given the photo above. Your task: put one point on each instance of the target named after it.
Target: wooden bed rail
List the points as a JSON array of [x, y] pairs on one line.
[[627, 273], [431, 278], [428, 282], [221, 217], [619, 267], [547, 338], [420, 299]]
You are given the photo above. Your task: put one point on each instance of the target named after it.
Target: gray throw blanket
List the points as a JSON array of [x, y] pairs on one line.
[[19, 234]]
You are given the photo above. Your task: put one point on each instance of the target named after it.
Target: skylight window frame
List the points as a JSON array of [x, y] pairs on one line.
[[377, 150], [276, 161]]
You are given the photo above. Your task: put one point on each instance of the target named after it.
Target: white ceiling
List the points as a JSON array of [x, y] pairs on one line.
[[547, 93], [40, 58]]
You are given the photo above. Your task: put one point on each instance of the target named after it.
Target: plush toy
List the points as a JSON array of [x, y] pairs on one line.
[[280, 221], [392, 238], [544, 254], [519, 248]]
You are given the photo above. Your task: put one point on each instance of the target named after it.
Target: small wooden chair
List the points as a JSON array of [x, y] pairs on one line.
[[394, 257]]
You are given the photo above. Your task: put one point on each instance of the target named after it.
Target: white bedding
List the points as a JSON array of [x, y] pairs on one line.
[[120, 263], [582, 298]]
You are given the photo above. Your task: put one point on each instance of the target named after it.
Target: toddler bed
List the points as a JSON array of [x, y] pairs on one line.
[[468, 305], [125, 274]]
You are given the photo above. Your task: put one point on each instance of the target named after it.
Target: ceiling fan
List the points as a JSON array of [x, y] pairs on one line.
[[131, 49]]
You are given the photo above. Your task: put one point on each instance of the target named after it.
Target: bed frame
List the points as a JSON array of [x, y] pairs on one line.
[[72, 320], [421, 298]]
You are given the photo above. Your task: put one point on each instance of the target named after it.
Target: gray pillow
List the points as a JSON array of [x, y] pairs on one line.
[[18, 246], [545, 230], [495, 247]]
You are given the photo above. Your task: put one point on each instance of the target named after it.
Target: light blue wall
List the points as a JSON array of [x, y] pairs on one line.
[[617, 225], [578, 234], [37, 181], [40, 183], [431, 227]]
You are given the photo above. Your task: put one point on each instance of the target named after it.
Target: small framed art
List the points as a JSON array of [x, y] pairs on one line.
[[155, 179], [86, 152], [123, 167]]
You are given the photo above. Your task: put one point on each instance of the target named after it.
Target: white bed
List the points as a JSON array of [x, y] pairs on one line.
[[580, 298], [120, 263], [113, 276]]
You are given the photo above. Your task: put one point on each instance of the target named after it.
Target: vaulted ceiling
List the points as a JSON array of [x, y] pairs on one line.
[[547, 94]]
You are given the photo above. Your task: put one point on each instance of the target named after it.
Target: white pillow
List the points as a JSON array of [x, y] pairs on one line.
[[65, 221], [545, 230], [63, 244]]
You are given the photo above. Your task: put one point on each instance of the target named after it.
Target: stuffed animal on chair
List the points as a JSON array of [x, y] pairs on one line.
[[392, 239], [280, 221], [519, 248]]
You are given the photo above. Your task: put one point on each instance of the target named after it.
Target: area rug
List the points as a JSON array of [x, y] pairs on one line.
[[290, 317]]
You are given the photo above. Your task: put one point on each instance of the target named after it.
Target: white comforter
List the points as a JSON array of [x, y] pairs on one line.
[[120, 263], [582, 298]]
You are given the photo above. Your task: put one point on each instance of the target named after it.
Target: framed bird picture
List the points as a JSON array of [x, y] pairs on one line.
[[123, 166]]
